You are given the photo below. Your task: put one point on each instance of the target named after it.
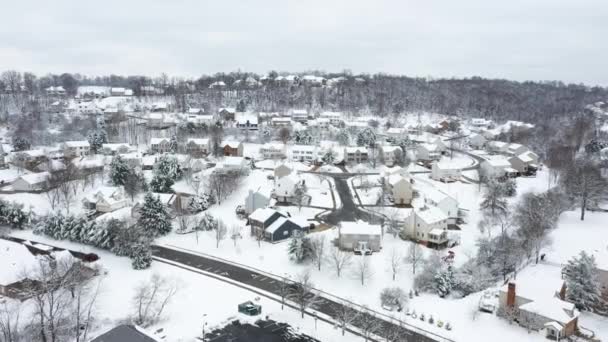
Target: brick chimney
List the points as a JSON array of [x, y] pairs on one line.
[[511, 295]]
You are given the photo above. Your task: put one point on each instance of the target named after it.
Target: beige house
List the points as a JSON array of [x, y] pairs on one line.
[[272, 151], [197, 148], [390, 154], [401, 189], [355, 155], [429, 226], [160, 145], [31, 182], [428, 152]]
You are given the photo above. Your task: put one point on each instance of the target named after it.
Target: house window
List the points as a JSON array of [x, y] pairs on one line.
[[286, 233]]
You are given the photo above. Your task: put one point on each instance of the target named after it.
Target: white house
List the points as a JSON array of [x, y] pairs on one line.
[[428, 152], [115, 148], [497, 168], [303, 153], [285, 187], [272, 151], [516, 149], [106, 199], [257, 199], [480, 124], [299, 115], [430, 227], [525, 163], [390, 154], [200, 119], [280, 122], [396, 132], [446, 203], [334, 117], [31, 182], [160, 145], [355, 155], [359, 236], [233, 164], [79, 148], [401, 189], [445, 171], [497, 146], [59, 90], [196, 111]]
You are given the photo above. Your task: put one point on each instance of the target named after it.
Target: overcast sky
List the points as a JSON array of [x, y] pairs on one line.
[[516, 39]]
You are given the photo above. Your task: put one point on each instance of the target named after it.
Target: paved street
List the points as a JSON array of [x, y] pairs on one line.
[[271, 284]]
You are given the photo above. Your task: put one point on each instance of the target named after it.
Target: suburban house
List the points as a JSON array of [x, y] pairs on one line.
[[29, 159], [429, 227], [525, 163], [299, 115], [115, 148], [334, 117], [445, 171], [120, 91], [125, 332], [396, 132], [274, 226], [196, 111], [57, 91], [498, 168], [446, 203], [76, 148], [280, 122], [272, 151], [232, 148], [198, 147], [355, 155], [303, 153], [539, 307], [227, 114], [428, 152], [246, 121], [232, 164], [160, 145], [31, 182], [390, 154], [282, 171], [516, 149], [320, 122], [257, 199], [360, 236], [480, 124], [477, 141], [105, 200], [160, 106], [285, 188], [200, 119], [497, 147], [401, 189]]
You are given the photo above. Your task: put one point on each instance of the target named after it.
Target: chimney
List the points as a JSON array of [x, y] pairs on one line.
[[562, 291], [511, 295]]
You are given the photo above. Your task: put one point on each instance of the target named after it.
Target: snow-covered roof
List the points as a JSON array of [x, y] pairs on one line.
[[243, 118], [299, 112], [272, 147], [228, 109], [35, 178], [436, 196], [156, 141], [552, 308], [331, 114], [355, 149], [198, 141], [233, 161], [9, 175], [285, 186], [525, 157], [390, 148], [114, 146], [276, 224], [16, 260], [498, 162], [262, 214], [359, 228], [33, 153], [431, 215], [304, 147], [195, 110], [231, 143], [79, 143], [396, 178]]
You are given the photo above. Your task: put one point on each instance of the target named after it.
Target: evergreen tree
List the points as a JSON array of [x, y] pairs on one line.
[[366, 137], [343, 137], [119, 171], [141, 256], [154, 219], [583, 288], [207, 222], [329, 157], [134, 184], [444, 281], [97, 138], [173, 143], [20, 144], [300, 248], [166, 172]]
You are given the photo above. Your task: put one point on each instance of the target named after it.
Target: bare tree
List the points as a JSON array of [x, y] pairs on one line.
[[583, 182], [302, 293], [67, 185], [85, 296], [285, 289], [235, 233], [345, 315], [10, 313], [363, 269], [318, 250], [369, 324], [415, 256], [339, 259], [220, 231], [222, 184], [151, 298], [535, 218], [284, 134], [185, 222], [396, 262]]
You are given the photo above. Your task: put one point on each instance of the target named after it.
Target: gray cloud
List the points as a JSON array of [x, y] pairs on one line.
[[517, 39]]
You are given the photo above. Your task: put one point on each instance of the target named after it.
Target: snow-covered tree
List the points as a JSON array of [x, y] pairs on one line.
[[13, 215], [141, 256], [166, 172], [20, 144], [394, 297], [535, 217], [303, 137], [329, 157], [153, 217], [494, 198], [173, 144], [444, 281], [582, 284], [135, 183], [300, 248], [343, 137], [207, 222], [415, 256], [97, 138], [119, 171], [366, 137], [200, 203]]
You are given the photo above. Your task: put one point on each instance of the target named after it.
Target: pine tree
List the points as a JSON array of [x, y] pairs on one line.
[[119, 171], [444, 281], [154, 219], [494, 198], [329, 157], [166, 172], [141, 256], [343, 137], [207, 222], [173, 143], [300, 248], [582, 284], [366, 137]]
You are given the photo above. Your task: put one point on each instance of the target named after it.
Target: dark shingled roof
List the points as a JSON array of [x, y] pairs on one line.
[[124, 333]]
